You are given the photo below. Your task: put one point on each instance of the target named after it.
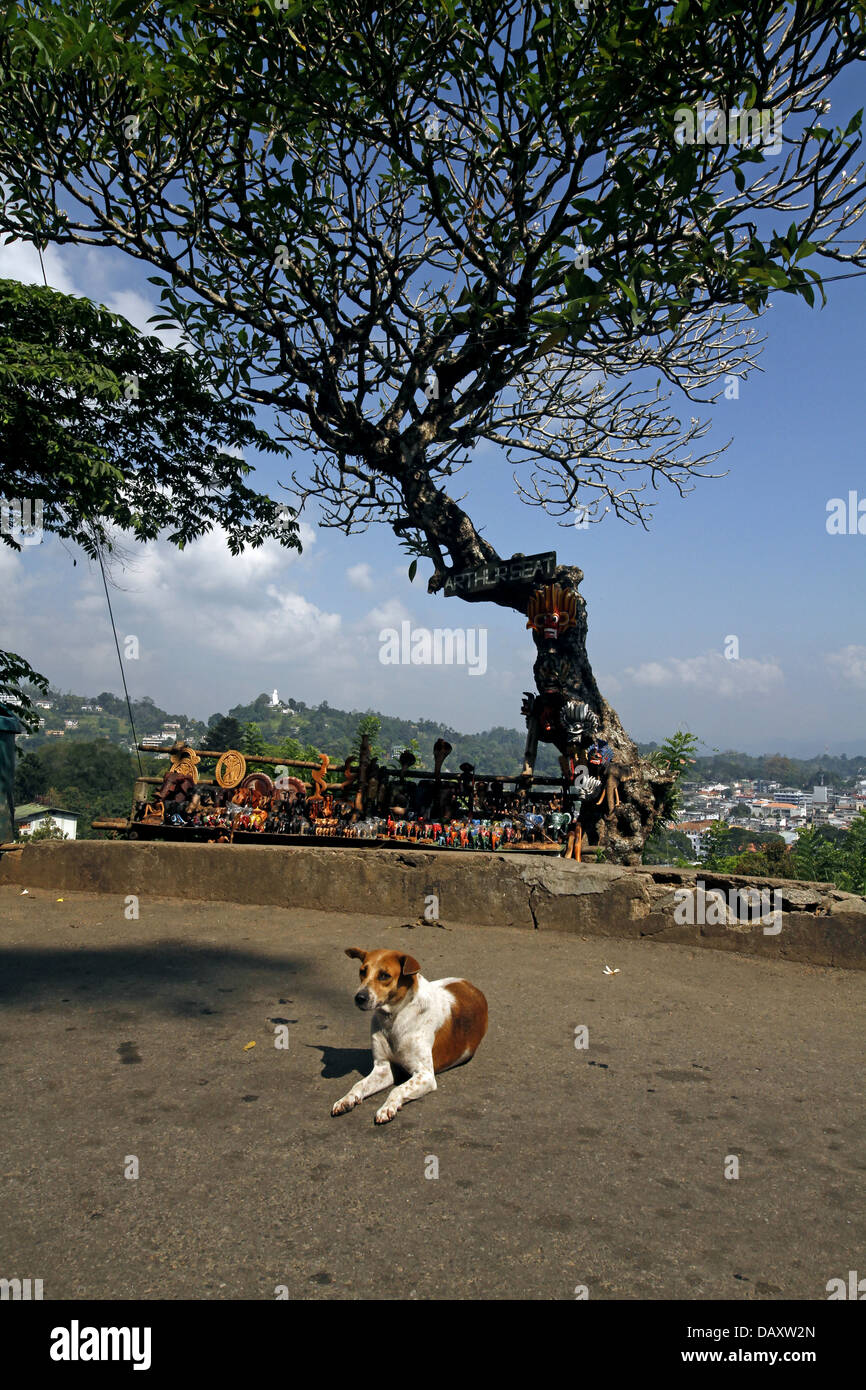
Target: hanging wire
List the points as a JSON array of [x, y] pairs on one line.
[[108, 600], [119, 657]]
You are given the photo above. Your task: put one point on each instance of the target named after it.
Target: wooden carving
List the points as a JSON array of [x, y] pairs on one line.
[[184, 760], [231, 768], [319, 775], [552, 610]]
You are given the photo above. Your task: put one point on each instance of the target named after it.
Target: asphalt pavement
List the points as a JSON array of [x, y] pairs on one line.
[[147, 1151]]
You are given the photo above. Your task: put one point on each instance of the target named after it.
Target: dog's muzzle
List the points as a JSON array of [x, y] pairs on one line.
[[364, 999]]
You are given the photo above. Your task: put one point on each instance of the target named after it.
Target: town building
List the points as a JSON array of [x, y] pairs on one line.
[[696, 832], [33, 817], [156, 740]]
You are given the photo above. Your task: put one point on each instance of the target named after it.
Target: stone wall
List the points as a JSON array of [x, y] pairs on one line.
[[809, 922]]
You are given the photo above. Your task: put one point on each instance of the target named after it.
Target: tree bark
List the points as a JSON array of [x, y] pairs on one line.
[[619, 831]]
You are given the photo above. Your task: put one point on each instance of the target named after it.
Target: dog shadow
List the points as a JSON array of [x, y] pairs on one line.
[[341, 1061]]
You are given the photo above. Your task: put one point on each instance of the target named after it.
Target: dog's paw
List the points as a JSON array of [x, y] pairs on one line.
[[386, 1113], [341, 1106]]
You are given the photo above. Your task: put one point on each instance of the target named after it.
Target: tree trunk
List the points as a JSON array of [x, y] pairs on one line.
[[619, 830]]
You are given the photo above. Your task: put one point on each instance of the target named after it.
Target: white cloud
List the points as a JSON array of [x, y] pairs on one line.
[[205, 571], [360, 577], [849, 664], [281, 626], [609, 685], [710, 673], [137, 309], [239, 606], [389, 614], [20, 261]]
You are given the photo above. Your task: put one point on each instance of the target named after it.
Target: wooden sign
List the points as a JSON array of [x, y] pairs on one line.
[[518, 569]]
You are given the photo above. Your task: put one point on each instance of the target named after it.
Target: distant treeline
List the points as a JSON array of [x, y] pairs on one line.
[[333, 731]]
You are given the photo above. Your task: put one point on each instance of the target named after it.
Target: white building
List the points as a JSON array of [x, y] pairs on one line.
[[33, 817], [155, 740]]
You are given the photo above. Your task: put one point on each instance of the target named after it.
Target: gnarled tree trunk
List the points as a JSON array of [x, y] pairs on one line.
[[619, 830]]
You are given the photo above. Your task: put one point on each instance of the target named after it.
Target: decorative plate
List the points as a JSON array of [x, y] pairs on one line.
[[260, 782], [231, 768]]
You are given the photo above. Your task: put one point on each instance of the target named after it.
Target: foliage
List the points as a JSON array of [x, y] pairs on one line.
[[223, 733], [48, 830], [837, 858], [724, 842], [15, 675], [415, 747], [668, 846], [823, 854], [371, 726], [252, 743], [94, 778], [108, 428], [674, 758], [804, 773], [293, 749], [102, 428], [517, 177]]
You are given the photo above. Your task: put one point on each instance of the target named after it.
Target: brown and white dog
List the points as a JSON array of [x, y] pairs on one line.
[[423, 1026]]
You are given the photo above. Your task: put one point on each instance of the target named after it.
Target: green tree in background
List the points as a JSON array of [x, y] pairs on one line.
[[223, 733], [675, 756], [371, 726], [252, 742], [668, 846], [95, 778], [15, 675], [48, 830]]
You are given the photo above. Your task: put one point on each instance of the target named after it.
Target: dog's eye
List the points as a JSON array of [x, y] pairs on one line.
[[384, 977]]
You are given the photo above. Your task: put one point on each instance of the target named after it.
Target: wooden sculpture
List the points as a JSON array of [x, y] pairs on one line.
[[319, 776], [184, 760], [552, 610], [441, 749], [231, 768]]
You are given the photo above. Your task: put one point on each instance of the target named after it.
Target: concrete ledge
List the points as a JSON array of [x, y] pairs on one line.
[[818, 924]]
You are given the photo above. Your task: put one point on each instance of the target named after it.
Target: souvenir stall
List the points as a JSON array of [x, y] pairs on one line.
[[224, 797]]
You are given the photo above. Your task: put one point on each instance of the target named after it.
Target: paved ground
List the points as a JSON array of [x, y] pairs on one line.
[[558, 1167]]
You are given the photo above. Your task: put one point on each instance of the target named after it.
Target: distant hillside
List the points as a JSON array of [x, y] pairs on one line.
[[333, 731]]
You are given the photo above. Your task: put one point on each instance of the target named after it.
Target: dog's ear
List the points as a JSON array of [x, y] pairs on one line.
[[409, 965], [356, 952]]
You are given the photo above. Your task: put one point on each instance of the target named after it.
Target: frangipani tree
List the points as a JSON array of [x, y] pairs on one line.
[[413, 229]]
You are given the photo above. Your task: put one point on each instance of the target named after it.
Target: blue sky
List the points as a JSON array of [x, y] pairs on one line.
[[747, 555]]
